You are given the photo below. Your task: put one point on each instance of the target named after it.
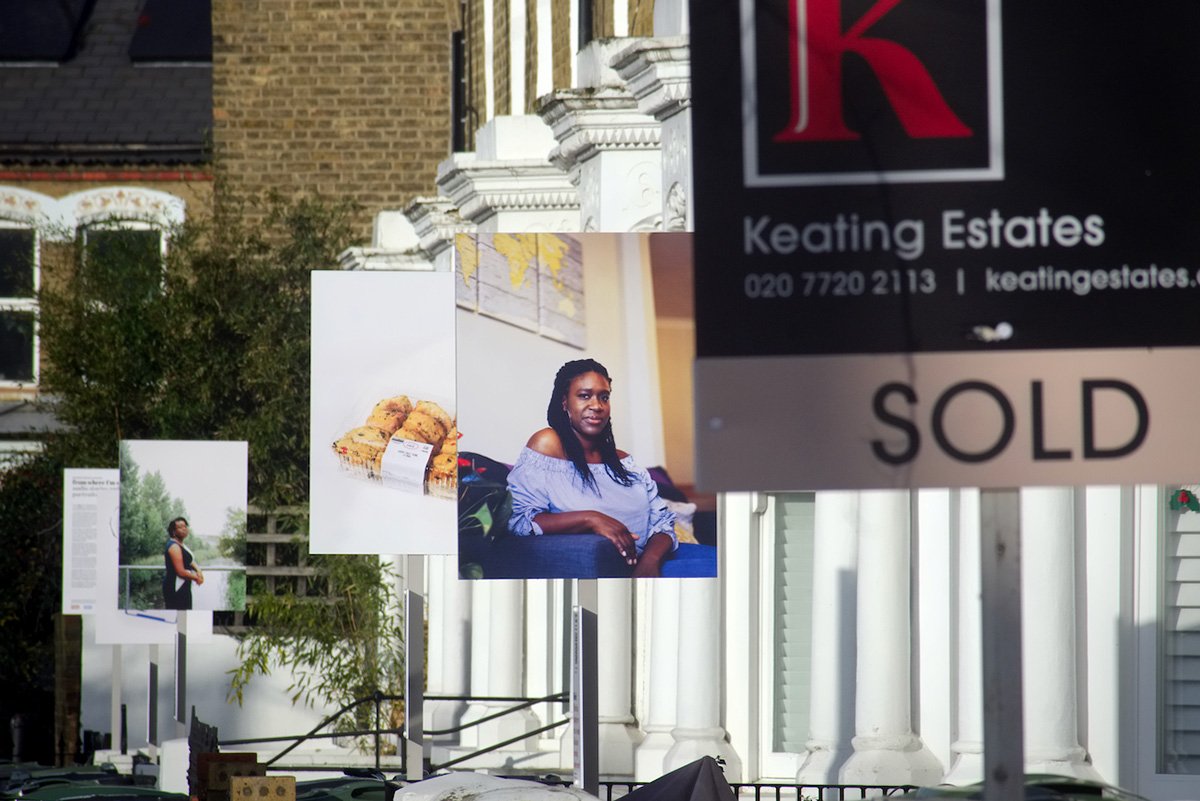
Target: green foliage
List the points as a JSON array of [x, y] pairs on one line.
[[232, 542], [211, 344], [220, 351], [235, 590], [146, 508], [30, 561], [341, 647]]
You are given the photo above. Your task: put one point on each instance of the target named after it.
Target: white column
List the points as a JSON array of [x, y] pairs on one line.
[[663, 681], [619, 735], [699, 731], [831, 704], [967, 748], [497, 651], [886, 750], [449, 601], [671, 18], [1048, 611]]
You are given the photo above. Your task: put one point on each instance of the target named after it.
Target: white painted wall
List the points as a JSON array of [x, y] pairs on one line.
[[267, 711]]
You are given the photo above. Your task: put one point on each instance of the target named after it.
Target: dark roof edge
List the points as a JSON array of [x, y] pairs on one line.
[[29, 153]]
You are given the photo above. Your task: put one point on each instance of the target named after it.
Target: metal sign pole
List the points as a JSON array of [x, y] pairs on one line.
[[414, 668], [118, 681], [181, 679], [585, 710], [152, 699], [1000, 596]]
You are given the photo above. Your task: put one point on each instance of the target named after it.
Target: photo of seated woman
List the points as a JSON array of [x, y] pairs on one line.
[[576, 459], [572, 479]]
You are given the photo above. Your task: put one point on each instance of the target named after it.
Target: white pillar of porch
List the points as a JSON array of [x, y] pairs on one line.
[[619, 734], [663, 684], [698, 730], [449, 602], [831, 692], [657, 72], [508, 184], [1048, 611], [967, 748], [886, 750], [497, 649], [607, 145]]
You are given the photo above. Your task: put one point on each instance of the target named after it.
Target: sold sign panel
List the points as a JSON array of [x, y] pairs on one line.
[[950, 188]]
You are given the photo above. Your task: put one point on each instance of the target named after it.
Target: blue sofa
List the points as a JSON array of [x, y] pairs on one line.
[[488, 550]]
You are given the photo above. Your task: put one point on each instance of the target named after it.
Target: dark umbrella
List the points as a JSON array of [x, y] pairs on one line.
[[701, 780]]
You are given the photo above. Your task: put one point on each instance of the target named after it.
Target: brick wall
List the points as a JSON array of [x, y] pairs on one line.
[[345, 98], [473, 24], [641, 17], [560, 40], [502, 58]]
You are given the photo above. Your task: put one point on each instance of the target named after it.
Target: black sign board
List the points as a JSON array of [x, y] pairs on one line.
[[888, 176]]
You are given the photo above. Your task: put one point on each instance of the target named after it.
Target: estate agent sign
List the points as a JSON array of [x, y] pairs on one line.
[[946, 242]]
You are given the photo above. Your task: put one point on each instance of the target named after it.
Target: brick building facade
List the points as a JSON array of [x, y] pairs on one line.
[[346, 99]]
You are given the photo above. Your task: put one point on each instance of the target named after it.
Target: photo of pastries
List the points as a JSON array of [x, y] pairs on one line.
[[383, 425], [360, 450]]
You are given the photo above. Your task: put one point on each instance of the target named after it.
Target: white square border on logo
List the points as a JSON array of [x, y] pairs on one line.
[[753, 178]]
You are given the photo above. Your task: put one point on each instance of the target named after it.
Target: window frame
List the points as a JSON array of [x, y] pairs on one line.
[[127, 224], [772, 763], [28, 305]]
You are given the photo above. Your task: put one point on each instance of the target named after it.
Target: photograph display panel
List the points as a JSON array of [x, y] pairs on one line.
[[182, 537], [91, 499], [622, 301], [384, 433]]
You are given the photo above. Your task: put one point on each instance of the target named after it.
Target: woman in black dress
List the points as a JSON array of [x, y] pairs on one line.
[[181, 567]]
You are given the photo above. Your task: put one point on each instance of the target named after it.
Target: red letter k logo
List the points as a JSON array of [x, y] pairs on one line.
[[817, 47]]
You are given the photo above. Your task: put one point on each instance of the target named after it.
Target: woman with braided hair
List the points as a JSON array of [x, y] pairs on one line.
[[572, 479]]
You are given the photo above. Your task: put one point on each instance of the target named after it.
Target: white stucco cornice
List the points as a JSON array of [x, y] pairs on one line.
[[589, 121], [383, 259], [57, 218], [482, 189], [436, 221], [658, 74]]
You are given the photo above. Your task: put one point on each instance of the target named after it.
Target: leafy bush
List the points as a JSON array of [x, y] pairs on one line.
[[211, 342]]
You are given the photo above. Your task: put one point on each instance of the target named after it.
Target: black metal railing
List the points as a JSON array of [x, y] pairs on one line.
[[378, 731], [609, 790], [775, 791]]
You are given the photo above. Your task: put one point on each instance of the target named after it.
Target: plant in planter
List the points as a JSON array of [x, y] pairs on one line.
[[1184, 499]]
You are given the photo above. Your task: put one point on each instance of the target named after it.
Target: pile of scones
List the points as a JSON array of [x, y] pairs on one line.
[[360, 450]]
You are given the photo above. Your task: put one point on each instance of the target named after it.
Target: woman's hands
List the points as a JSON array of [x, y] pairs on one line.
[[646, 565], [649, 564], [615, 532], [175, 552], [591, 522]]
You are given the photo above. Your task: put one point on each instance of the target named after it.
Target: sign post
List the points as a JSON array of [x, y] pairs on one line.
[[941, 244], [414, 667], [1000, 627], [584, 687]]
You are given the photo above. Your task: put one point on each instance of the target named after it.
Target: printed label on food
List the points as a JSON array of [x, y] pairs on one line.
[[403, 464]]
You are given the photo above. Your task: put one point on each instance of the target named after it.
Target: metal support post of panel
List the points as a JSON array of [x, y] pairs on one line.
[[585, 709], [152, 698], [414, 668], [181, 680], [1003, 717], [116, 679]]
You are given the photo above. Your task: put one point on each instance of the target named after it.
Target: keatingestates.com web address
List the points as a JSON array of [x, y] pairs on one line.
[[1082, 282]]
